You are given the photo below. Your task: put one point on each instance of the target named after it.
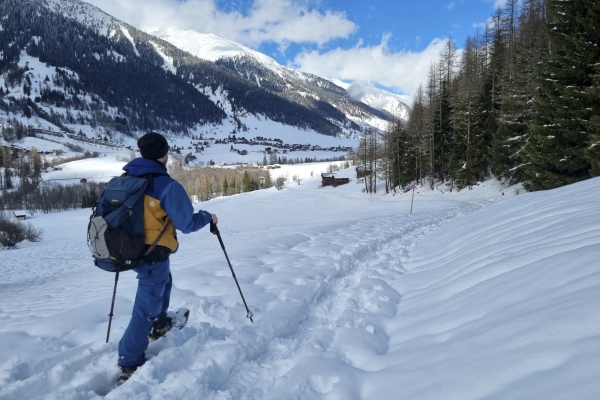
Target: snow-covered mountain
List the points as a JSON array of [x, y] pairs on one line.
[[66, 64], [214, 48], [379, 99], [211, 47], [376, 98]]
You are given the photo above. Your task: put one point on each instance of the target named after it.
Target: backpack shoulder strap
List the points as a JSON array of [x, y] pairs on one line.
[[162, 232]]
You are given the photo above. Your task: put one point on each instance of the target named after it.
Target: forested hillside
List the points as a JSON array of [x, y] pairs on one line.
[[521, 102]]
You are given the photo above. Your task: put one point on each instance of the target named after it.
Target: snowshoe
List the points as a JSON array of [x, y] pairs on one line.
[[174, 321], [124, 375]]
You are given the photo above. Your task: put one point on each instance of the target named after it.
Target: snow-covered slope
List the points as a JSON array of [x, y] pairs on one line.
[[376, 98], [379, 99], [84, 13], [211, 47], [478, 294]]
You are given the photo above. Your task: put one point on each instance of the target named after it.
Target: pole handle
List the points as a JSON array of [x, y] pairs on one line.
[[213, 228]]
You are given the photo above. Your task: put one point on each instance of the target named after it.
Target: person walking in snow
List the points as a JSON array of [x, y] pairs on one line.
[[165, 198]]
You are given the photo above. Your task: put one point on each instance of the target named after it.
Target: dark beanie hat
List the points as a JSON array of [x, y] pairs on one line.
[[153, 146]]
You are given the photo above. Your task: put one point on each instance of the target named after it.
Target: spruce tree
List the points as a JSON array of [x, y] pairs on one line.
[[562, 108], [512, 134], [592, 150]]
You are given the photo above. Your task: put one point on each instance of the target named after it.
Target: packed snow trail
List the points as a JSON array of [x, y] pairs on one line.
[[340, 287]]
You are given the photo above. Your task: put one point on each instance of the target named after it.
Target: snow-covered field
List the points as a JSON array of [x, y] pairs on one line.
[[479, 294]]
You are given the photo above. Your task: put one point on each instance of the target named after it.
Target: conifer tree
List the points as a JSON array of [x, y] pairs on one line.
[[246, 182], [464, 160], [415, 129], [524, 53], [562, 109], [225, 187], [429, 143], [592, 150]]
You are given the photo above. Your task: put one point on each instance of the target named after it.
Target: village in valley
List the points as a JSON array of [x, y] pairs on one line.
[[270, 146], [273, 150]]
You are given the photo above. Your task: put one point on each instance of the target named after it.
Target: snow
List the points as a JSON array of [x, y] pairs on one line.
[[376, 98], [379, 99], [482, 293], [84, 13], [100, 169], [168, 65], [130, 38], [211, 47]]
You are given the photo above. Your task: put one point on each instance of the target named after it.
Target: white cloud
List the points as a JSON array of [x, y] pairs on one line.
[[490, 23], [373, 65], [278, 21], [453, 4]]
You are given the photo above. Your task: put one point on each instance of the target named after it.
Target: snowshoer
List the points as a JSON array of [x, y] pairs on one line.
[[165, 202]]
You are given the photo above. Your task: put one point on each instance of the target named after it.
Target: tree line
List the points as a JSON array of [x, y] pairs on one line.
[[207, 183], [49, 197], [520, 102], [204, 182]]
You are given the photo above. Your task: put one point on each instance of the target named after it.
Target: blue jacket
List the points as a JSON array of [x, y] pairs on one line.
[[165, 197]]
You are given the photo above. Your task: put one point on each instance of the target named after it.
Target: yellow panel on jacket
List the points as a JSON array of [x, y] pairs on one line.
[[154, 217]]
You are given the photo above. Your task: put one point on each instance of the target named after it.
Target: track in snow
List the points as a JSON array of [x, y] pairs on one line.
[[336, 290], [264, 361]]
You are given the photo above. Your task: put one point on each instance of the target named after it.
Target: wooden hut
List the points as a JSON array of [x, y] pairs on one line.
[[331, 180], [20, 215], [362, 171]]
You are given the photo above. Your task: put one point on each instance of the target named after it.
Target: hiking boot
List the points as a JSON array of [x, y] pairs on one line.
[[159, 329], [124, 375]]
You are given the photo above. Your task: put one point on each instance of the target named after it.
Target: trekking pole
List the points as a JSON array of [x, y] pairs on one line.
[[215, 231], [112, 307]]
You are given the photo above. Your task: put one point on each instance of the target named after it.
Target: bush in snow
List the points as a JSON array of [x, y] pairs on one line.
[[13, 232], [280, 182]]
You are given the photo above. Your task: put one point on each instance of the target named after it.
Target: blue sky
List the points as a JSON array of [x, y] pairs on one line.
[[383, 43], [411, 24]]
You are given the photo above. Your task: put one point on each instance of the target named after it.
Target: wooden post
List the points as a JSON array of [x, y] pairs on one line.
[[413, 197]]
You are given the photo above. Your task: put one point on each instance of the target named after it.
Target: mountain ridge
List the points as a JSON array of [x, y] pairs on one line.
[[214, 48], [103, 76]]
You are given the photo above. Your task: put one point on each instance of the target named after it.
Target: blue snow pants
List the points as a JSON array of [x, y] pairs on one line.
[[151, 304]]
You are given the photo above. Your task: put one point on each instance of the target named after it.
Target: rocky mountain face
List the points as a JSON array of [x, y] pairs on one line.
[[70, 64]]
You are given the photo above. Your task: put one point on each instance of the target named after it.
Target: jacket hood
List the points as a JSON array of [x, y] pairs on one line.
[[143, 166]]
